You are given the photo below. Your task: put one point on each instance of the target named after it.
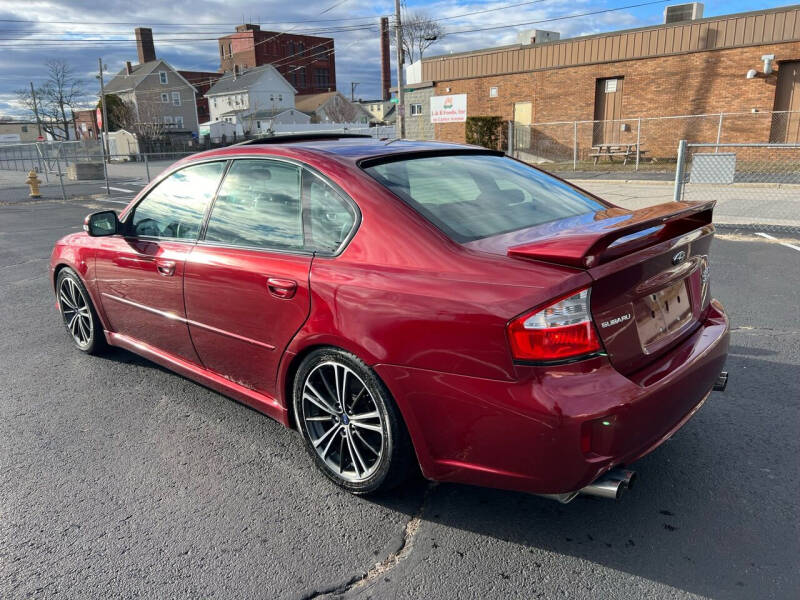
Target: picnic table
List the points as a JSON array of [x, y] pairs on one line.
[[611, 150]]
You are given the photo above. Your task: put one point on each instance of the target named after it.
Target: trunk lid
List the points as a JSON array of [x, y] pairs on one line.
[[650, 272]]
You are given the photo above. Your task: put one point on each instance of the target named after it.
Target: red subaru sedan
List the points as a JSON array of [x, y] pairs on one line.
[[404, 303]]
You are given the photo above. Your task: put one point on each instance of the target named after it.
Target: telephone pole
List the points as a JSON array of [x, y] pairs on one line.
[[103, 105], [401, 121], [353, 86], [36, 110]]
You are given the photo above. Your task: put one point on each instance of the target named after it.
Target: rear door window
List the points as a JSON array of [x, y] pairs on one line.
[[258, 205]]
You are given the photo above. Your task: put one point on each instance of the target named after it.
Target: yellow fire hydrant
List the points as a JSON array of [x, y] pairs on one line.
[[33, 182]]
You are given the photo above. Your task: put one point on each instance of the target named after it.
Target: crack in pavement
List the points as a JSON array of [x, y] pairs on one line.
[[380, 569]]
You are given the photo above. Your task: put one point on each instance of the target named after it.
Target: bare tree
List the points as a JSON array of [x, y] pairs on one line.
[[341, 110], [142, 119], [419, 32], [56, 98]]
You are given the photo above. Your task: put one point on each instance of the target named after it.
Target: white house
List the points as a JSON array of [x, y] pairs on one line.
[[237, 95]]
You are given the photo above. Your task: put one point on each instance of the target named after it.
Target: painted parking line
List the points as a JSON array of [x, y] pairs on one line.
[[116, 189], [772, 237]]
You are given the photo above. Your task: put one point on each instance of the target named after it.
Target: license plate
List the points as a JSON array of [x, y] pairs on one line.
[[660, 314]]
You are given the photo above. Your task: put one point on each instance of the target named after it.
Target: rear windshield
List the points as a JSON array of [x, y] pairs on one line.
[[470, 197]]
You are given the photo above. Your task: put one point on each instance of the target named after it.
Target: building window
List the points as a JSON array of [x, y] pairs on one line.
[[168, 120], [322, 78], [230, 50], [258, 124], [176, 98], [25, 128], [301, 78], [416, 110], [301, 47], [164, 97], [214, 101], [230, 101], [493, 92], [221, 51], [179, 122], [162, 77], [290, 47], [611, 86]]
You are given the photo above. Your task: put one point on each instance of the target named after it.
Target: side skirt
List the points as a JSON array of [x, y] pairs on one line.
[[256, 400]]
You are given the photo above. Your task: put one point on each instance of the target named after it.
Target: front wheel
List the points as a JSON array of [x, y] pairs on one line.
[[349, 422], [78, 314]]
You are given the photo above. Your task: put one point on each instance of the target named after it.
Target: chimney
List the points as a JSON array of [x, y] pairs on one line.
[[144, 44], [247, 27], [386, 72], [128, 67]]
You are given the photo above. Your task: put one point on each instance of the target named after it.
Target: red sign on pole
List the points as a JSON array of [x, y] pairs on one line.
[[99, 118]]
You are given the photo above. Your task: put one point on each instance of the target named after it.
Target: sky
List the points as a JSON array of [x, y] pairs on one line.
[[185, 32]]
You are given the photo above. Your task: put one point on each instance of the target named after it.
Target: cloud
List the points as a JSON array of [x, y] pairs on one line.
[[357, 50]]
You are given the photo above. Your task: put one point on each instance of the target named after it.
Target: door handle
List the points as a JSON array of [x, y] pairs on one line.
[[281, 288], [165, 267]]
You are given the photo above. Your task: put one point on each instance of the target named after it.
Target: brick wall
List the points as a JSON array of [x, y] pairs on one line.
[[695, 83]]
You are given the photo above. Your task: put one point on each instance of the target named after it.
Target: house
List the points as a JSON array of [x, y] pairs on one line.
[[308, 62], [12, 130], [157, 91], [264, 121], [378, 109], [332, 107], [239, 94]]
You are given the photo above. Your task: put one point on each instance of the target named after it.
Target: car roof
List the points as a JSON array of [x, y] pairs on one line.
[[348, 149]]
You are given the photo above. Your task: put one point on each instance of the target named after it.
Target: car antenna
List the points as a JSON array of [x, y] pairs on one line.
[[392, 141]]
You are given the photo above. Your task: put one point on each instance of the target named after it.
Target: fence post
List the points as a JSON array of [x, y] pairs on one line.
[[574, 145], [678, 191], [510, 149], [719, 132], [638, 140], [61, 178], [146, 167]]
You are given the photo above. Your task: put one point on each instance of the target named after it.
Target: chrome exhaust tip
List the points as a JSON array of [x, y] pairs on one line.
[[611, 485], [722, 382]]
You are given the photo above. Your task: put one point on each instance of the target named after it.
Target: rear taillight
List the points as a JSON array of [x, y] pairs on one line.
[[560, 331]]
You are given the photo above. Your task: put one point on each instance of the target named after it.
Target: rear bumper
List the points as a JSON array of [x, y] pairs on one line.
[[527, 434]]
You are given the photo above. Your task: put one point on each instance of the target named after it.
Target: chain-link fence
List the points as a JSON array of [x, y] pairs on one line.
[[642, 148], [756, 186], [78, 169]]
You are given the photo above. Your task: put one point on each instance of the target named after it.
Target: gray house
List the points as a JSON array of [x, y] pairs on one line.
[[158, 93]]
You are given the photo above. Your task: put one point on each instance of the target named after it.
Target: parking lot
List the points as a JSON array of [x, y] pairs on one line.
[[119, 478]]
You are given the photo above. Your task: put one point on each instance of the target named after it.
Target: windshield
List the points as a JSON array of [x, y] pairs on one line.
[[471, 197]]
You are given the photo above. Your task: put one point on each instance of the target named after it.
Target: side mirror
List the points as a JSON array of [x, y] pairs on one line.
[[101, 223]]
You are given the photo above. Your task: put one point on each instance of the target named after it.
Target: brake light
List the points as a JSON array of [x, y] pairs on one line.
[[560, 331]]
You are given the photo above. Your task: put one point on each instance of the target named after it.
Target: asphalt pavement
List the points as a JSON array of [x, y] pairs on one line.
[[121, 479]]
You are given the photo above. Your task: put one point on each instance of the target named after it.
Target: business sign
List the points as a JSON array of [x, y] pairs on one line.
[[9, 137], [449, 109]]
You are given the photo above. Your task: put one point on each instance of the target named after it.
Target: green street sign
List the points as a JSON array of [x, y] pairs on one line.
[[394, 100]]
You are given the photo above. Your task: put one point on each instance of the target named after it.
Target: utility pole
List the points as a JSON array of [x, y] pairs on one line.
[[401, 121], [353, 86], [36, 111], [103, 104]]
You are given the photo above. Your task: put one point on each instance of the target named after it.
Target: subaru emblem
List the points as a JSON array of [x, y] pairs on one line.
[[678, 258]]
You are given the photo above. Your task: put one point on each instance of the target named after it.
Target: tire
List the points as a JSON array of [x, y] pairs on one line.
[[333, 387], [78, 313]]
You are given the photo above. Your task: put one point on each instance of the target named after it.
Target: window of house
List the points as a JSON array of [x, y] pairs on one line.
[[230, 50], [175, 207], [322, 77], [258, 205], [493, 92], [230, 101], [176, 98], [416, 110], [179, 122], [221, 51], [25, 128], [164, 97], [168, 120], [214, 101], [162, 77]]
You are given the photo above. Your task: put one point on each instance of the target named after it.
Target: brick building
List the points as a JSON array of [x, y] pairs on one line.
[[307, 62], [695, 67], [202, 82], [86, 124]]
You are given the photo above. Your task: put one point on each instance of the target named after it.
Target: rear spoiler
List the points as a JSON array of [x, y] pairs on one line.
[[615, 232]]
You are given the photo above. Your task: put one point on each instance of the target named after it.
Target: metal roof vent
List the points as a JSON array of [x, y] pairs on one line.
[[683, 12]]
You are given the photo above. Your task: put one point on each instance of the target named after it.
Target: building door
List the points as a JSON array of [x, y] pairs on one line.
[[607, 111], [786, 123], [523, 116]]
